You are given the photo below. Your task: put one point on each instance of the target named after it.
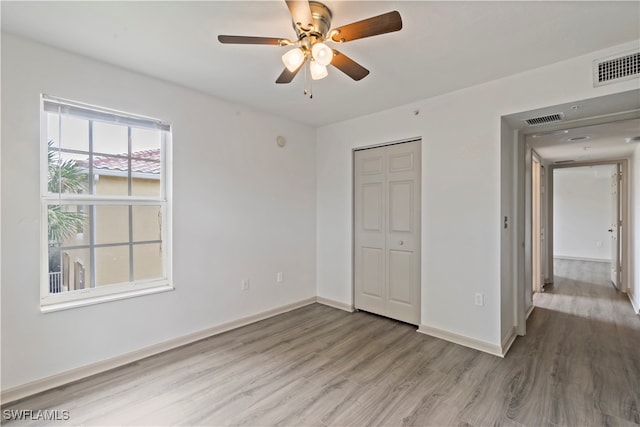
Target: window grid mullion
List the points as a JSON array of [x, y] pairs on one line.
[[130, 192], [130, 243], [92, 214], [100, 154], [54, 199], [110, 245], [163, 165], [59, 157], [129, 183]]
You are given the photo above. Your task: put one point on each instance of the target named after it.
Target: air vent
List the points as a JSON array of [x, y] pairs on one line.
[[543, 120], [616, 69], [578, 138], [561, 162]]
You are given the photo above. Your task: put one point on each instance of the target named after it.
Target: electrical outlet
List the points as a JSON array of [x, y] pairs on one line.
[[479, 299], [245, 285], [279, 278]]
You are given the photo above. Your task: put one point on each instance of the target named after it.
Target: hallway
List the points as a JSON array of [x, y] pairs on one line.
[[587, 339], [572, 274]]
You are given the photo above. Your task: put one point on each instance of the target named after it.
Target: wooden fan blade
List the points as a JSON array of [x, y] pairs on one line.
[[348, 66], [381, 24], [300, 13], [251, 40], [287, 75]]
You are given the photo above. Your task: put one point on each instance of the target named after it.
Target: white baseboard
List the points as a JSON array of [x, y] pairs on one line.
[[530, 310], [635, 308], [508, 340], [575, 258], [334, 304], [483, 346], [37, 386]]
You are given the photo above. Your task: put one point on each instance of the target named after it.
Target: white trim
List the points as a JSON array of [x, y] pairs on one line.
[[483, 346], [635, 309], [385, 144], [62, 378], [508, 340], [52, 104], [335, 304], [77, 199], [529, 311], [99, 294], [124, 174], [574, 258], [98, 299]]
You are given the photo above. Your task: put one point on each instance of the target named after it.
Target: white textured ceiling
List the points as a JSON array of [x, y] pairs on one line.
[[603, 141], [607, 121], [444, 46]]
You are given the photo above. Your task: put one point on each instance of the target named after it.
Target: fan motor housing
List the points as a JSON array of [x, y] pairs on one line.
[[321, 15]]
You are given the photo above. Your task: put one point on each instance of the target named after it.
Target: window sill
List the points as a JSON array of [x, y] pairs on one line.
[[50, 308]]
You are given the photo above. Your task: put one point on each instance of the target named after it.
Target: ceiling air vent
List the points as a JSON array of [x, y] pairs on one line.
[[578, 138], [543, 120], [562, 162], [616, 69]]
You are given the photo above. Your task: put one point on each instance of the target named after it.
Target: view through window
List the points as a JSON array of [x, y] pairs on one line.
[[105, 201]]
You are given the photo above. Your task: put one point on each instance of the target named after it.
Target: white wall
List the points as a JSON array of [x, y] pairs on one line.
[[243, 208], [461, 185], [634, 273], [582, 212]]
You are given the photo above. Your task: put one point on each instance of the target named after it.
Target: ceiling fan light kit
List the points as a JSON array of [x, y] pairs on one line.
[[293, 59], [318, 71], [312, 23], [321, 53]]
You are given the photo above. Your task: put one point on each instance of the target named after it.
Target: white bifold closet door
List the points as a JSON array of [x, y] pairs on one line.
[[387, 231]]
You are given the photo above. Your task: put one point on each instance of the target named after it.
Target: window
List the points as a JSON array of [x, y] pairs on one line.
[[105, 208]]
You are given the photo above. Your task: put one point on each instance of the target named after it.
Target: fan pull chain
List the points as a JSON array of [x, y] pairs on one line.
[[305, 77], [307, 71]]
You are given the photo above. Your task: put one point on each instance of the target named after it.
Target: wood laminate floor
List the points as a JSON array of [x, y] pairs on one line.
[[578, 365]]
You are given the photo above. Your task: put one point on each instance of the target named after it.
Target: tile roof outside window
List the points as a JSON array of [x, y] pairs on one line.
[[147, 161]]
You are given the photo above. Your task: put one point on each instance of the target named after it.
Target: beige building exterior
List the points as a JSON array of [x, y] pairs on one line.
[[114, 227]]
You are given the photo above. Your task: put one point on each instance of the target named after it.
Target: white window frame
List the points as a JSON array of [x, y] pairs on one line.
[[82, 297]]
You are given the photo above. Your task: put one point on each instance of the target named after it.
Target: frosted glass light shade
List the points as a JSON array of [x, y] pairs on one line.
[[293, 59], [322, 54], [318, 71]]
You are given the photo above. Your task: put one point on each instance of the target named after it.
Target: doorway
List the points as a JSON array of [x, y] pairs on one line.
[[589, 216], [386, 228], [619, 112]]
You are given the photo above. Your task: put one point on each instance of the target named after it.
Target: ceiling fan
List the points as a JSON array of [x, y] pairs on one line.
[[312, 23]]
